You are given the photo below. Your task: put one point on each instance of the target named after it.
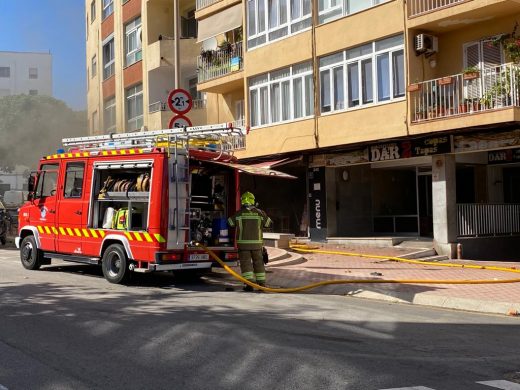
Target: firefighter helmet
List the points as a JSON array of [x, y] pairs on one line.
[[247, 199]]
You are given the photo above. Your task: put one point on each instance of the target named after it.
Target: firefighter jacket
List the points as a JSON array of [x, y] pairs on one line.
[[249, 222]]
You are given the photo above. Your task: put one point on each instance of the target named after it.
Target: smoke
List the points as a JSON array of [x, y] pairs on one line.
[[33, 126]]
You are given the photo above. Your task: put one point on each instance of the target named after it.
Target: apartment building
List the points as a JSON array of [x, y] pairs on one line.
[[136, 55], [25, 73], [373, 104], [400, 119]]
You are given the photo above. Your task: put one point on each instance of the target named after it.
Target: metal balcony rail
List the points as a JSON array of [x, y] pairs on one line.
[[198, 104], [205, 3], [157, 106], [493, 219], [217, 63], [239, 122], [418, 7], [488, 89]]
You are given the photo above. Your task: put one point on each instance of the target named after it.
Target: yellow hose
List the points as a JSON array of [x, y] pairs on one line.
[[305, 249]]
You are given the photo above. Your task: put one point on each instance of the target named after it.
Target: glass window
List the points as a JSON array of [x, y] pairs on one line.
[[108, 58], [92, 11], [47, 180], [282, 95], [109, 115], [108, 8], [133, 41], [134, 107], [33, 73], [367, 74], [33, 92], [332, 9], [5, 71], [74, 180], [94, 66], [269, 20]]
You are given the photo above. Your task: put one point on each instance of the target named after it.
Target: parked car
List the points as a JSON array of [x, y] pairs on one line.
[[4, 222]]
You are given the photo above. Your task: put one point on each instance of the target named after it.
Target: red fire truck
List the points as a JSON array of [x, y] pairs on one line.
[[136, 201]]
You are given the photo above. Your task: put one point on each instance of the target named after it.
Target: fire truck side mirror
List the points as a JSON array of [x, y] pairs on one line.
[[31, 185]]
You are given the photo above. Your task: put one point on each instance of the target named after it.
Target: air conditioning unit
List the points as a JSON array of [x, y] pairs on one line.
[[425, 43]]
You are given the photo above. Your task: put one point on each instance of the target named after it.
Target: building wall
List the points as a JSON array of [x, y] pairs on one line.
[[19, 82]]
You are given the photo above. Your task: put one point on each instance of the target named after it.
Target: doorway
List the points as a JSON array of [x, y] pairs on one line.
[[424, 201]]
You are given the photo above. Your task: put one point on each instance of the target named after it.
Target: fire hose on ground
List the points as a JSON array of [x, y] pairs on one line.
[[311, 249]]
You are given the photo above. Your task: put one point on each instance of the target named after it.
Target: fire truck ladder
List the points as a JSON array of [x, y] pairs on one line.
[[223, 139]]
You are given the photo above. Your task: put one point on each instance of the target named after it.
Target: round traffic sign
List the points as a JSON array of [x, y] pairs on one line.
[[179, 121], [179, 101]]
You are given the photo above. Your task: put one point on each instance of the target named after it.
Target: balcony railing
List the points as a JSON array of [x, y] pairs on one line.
[[198, 104], [418, 7], [476, 220], [488, 89], [217, 63], [204, 3]]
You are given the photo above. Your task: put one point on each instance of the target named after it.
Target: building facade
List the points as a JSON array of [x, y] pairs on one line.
[[136, 55], [399, 118], [25, 73]]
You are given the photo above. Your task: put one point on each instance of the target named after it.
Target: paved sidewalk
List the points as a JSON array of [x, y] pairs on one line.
[[488, 298]]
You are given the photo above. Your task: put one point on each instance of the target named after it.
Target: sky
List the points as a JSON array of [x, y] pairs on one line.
[[55, 26]]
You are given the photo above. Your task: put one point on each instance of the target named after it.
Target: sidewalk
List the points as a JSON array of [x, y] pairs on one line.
[[306, 268]]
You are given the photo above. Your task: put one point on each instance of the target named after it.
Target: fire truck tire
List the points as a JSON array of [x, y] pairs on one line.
[[30, 255], [115, 264]]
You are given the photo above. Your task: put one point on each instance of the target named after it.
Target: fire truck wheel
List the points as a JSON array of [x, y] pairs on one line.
[[115, 264], [30, 255]]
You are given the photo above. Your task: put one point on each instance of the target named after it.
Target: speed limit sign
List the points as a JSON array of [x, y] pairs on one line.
[[179, 101], [179, 121]]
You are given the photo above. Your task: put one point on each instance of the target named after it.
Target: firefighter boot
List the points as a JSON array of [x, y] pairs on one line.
[[248, 288]]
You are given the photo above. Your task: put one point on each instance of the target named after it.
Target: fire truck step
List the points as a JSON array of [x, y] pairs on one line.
[[75, 259]]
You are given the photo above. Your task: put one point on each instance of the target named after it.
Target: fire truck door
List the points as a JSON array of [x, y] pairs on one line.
[[43, 215], [71, 216]]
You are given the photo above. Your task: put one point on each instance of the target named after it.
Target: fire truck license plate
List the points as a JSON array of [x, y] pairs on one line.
[[199, 256]]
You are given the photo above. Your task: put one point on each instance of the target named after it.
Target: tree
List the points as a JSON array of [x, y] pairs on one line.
[[33, 126]]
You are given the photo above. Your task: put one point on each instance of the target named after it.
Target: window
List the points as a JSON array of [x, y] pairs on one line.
[[33, 92], [281, 96], [332, 9], [134, 107], [268, 20], [108, 8], [109, 115], [5, 71], [108, 58], [368, 74], [192, 89], [33, 73], [47, 180], [94, 66], [74, 180], [133, 41], [92, 11], [189, 25], [95, 122]]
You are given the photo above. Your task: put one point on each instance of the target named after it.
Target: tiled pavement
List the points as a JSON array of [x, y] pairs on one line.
[[489, 298]]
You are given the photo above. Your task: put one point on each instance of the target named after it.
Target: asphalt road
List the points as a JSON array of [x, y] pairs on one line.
[[65, 327]]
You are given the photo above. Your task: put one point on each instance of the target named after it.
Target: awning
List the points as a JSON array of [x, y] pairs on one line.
[[255, 170], [219, 23]]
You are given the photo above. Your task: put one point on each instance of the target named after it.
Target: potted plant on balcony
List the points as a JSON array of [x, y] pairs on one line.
[[510, 43], [225, 47], [446, 80], [414, 87], [471, 73]]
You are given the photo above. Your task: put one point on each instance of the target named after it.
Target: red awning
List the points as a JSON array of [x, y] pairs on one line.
[[255, 169]]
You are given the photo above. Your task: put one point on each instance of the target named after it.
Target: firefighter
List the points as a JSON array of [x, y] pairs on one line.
[[249, 222]]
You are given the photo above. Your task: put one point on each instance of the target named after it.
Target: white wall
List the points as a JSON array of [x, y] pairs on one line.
[[19, 81]]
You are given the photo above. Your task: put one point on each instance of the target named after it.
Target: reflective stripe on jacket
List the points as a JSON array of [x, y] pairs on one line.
[[249, 223]]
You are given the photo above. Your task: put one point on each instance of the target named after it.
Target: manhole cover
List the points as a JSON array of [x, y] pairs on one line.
[[513, 376]]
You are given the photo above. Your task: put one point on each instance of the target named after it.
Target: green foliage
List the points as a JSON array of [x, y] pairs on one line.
[[511, 44], [33, 126]]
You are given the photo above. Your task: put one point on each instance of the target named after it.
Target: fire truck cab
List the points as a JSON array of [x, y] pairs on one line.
[[135, 201]]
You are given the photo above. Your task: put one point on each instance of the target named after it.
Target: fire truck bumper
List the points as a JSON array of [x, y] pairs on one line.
[[17, 241], [179, 266]]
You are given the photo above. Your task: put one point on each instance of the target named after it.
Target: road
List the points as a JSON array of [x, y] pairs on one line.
[[65, 327]]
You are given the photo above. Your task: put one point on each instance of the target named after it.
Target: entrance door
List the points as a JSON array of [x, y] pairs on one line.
[[424, 200]]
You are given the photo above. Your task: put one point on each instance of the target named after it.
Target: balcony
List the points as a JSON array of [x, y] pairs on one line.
[[419, 7], [161, 54], [491, 89], [205, 3], [212, 64]]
